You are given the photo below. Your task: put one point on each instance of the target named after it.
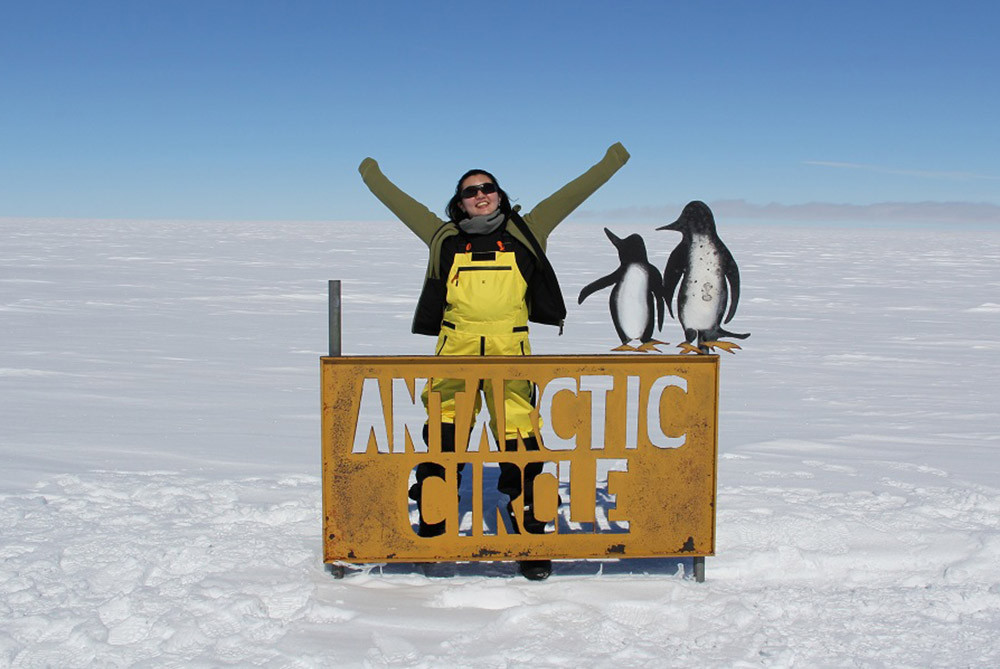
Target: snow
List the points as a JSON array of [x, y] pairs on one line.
[[160, 489]]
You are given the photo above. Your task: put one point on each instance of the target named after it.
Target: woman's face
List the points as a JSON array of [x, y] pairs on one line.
[[479, 203]]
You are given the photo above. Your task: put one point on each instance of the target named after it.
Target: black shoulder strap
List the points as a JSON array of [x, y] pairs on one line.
[[545, 300]]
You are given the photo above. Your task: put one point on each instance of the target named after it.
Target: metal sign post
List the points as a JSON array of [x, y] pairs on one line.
[[334, 316]]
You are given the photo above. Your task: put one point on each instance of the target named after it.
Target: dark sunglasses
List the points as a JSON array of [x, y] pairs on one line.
[[487, 188]]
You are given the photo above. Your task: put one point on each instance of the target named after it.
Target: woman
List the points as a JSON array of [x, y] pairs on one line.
[[515, 284]]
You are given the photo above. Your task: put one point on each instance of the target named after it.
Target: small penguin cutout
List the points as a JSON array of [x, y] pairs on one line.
[[708, 278], [636, 301]]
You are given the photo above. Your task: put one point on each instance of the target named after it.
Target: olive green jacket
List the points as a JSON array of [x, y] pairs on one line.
[[546, 215]]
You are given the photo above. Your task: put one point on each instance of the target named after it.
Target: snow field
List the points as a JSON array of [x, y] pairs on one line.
[[160, 494]]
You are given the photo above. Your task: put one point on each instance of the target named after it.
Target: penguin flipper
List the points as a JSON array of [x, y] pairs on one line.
[[673, 272], [603, 282], [732, 272], [656, 284]]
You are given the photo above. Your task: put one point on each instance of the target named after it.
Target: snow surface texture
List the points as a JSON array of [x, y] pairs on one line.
[[160, 490]]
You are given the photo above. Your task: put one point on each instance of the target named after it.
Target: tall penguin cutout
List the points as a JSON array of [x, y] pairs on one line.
[[708, 278], [636, 294]]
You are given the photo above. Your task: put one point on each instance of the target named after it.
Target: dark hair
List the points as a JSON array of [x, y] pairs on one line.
[[454, 209]]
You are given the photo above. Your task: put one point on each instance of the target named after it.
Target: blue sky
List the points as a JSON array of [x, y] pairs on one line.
[[225, 109]]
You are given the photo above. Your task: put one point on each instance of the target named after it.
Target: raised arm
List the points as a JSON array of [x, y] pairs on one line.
[[551, 211], [416, 216]]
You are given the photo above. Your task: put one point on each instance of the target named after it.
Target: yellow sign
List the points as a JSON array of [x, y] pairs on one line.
[[628, 459]]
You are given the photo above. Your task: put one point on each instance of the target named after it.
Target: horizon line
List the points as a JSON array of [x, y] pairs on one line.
[[889, 211]]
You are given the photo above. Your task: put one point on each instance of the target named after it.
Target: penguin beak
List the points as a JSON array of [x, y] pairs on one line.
[[676, 225], [614, 239]]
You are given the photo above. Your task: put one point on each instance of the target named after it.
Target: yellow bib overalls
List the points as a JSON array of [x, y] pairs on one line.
[[486, 314]]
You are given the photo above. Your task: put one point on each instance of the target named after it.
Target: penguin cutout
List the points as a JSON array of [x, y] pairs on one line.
[[636, 295], [708, 278]]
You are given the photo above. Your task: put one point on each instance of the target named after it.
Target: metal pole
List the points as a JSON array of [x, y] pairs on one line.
[[335, 349], [699, 569]]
